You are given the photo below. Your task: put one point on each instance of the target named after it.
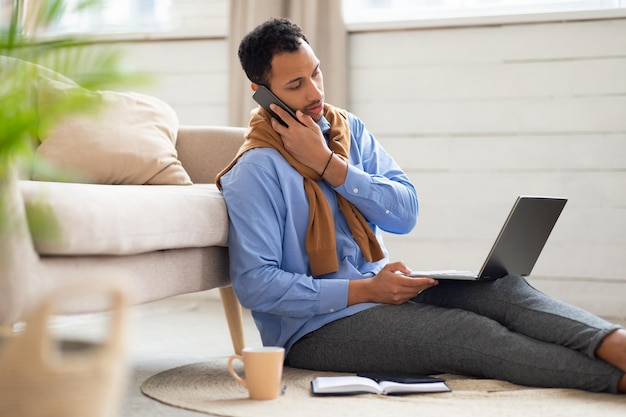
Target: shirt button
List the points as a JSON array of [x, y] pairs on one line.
[[332, 310], [355, 190], [387, 212]]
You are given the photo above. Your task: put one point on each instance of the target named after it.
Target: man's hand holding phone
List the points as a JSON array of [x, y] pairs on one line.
[[303, 140]]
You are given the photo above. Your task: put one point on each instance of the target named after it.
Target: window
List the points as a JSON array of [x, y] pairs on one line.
[[115, 16], [359, 11], [172, 17]]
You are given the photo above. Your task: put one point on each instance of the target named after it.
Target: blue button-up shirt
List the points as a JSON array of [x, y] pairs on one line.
[[269, 213]]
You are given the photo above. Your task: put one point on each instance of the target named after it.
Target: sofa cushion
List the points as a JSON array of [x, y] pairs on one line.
[[128, 219], [130, 139]]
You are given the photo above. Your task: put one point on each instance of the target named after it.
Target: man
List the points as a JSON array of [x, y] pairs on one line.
[[307, 204]]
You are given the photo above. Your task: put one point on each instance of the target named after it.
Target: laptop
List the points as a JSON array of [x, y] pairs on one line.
[[519, 242]]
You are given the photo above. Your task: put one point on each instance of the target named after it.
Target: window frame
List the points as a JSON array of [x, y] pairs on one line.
[[129, 34], [486, 20]]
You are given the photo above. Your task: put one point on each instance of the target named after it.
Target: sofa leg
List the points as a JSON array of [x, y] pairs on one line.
[[234, 317]]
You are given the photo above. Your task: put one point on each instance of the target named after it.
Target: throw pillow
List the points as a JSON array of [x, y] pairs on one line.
[[130, 139]]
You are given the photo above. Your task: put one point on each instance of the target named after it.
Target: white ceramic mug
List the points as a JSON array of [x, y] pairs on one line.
[[264, 371]]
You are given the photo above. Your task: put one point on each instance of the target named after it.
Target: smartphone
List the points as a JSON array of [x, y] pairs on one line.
[[265, 97]]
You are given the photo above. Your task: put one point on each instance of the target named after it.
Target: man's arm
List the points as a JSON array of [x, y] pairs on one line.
[[377, 185]]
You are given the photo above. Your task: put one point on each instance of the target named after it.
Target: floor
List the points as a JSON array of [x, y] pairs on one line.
[[165, 334]]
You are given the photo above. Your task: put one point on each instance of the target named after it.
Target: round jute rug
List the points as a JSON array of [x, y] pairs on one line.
[[208, 387]]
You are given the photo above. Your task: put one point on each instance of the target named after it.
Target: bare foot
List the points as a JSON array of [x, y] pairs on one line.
[[613, 350]]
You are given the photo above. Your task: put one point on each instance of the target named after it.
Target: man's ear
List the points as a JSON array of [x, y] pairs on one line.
[[254, 86]]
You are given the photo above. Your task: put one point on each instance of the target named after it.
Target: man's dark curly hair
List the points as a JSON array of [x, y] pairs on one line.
[[258, 47]]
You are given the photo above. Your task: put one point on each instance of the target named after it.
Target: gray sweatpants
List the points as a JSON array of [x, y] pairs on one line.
[[503, 329]]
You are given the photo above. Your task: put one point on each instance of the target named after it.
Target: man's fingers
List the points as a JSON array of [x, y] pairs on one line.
[[280, 112], [398, 267]]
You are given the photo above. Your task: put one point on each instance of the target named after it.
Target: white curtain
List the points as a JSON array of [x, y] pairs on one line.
[[323, 26]]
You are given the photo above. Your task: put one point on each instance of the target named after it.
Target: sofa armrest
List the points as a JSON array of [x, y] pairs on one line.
[[206, 150]]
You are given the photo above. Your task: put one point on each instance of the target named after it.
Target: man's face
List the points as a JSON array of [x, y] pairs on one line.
[[297, 80]]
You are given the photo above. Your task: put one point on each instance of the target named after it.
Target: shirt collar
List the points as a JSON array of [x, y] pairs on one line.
[[324, 125]]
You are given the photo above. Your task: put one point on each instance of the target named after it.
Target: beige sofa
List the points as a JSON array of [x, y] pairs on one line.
[[166, 239]]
